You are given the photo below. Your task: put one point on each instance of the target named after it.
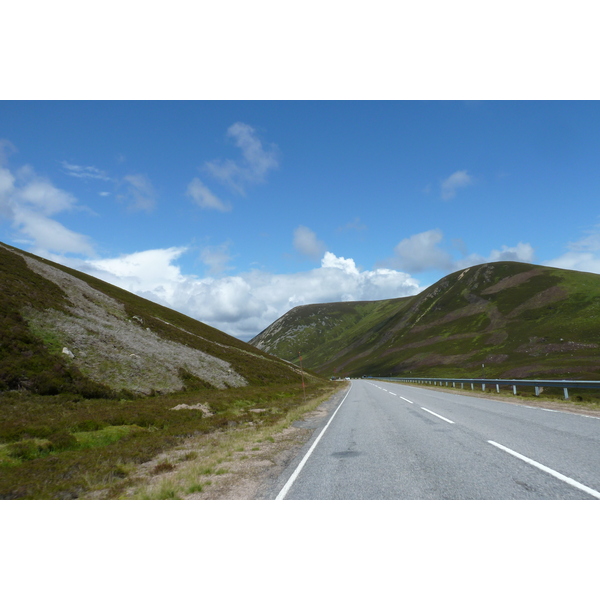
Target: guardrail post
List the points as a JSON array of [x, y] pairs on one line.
[[462, 385], [472, 386], [498, 388], [566, 391], [515, 390], [453, 384], [483, 387], [537, 390]]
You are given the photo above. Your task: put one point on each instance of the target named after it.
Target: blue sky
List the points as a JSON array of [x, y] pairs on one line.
[[233, 160], [236, 211]]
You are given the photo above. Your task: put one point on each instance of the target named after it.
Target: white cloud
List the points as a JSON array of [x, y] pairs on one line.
[[145, 271], [203, 197], [28, 201], [42, 196], [306, 242], [84, 172], [519, 253], [577, 261], [583, 255], [48, 235], [457, 180], [590, 243], [140, 193], [421, 252], [256, 161], [331, 261], [216, 258], [245, 304]]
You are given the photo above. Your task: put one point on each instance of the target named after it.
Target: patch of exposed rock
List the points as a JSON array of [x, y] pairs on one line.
[[120, 352]]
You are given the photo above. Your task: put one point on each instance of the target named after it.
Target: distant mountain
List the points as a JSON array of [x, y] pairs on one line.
[[64, 331], [519, 320]]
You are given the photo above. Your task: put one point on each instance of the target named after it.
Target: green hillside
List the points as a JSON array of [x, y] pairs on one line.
[[519, 320], [93, 380]]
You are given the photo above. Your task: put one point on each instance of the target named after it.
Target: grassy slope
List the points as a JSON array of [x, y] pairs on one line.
[[519, 320], [306, 329], [21, 287]]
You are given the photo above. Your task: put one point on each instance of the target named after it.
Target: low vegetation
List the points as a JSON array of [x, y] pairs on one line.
[[137, 380], [65, 446]]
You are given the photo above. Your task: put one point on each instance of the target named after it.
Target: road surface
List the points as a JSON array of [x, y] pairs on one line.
[[392, 441]]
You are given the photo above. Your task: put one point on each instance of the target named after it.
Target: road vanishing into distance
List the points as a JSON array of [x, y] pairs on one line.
[[392, 441]]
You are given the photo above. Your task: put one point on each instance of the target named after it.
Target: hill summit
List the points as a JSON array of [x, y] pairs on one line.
[[501, 320]]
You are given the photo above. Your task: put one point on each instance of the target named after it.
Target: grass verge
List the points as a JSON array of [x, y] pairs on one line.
[[228, 463], [66, 446]]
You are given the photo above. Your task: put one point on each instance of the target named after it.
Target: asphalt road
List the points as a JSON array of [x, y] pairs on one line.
[[391, 441]]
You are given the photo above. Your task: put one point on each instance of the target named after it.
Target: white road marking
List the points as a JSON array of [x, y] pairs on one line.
[[286, 488], [392, 393], [410, 401], [576, 484], [439, 416]]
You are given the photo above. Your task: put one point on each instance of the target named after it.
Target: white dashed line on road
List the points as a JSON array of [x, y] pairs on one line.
[[436, 415], [576, 484]]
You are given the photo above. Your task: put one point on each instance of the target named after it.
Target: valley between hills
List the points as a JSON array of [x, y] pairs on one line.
[[104, 394]]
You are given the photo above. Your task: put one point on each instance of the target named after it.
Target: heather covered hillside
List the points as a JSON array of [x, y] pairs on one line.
[[96, 383], [519, 320]]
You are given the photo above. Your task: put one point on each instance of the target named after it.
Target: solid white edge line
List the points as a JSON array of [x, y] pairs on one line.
[[286, 488], [576, 484], [439, 416]]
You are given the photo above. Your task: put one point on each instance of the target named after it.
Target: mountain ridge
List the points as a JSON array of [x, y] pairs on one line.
[[517, 319]]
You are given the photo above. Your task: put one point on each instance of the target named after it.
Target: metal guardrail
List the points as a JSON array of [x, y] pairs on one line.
[[538, 384]]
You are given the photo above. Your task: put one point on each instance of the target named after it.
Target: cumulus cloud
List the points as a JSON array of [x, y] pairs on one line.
[[145, 271], [307, 244], [254, 165], [29, 201], [452, 184], [140, 193], [203, 197], [245, 304], [421, 252]]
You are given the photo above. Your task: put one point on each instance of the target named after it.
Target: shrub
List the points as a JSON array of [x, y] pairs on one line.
[[163, 467], [29, 449], [62, 440]]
